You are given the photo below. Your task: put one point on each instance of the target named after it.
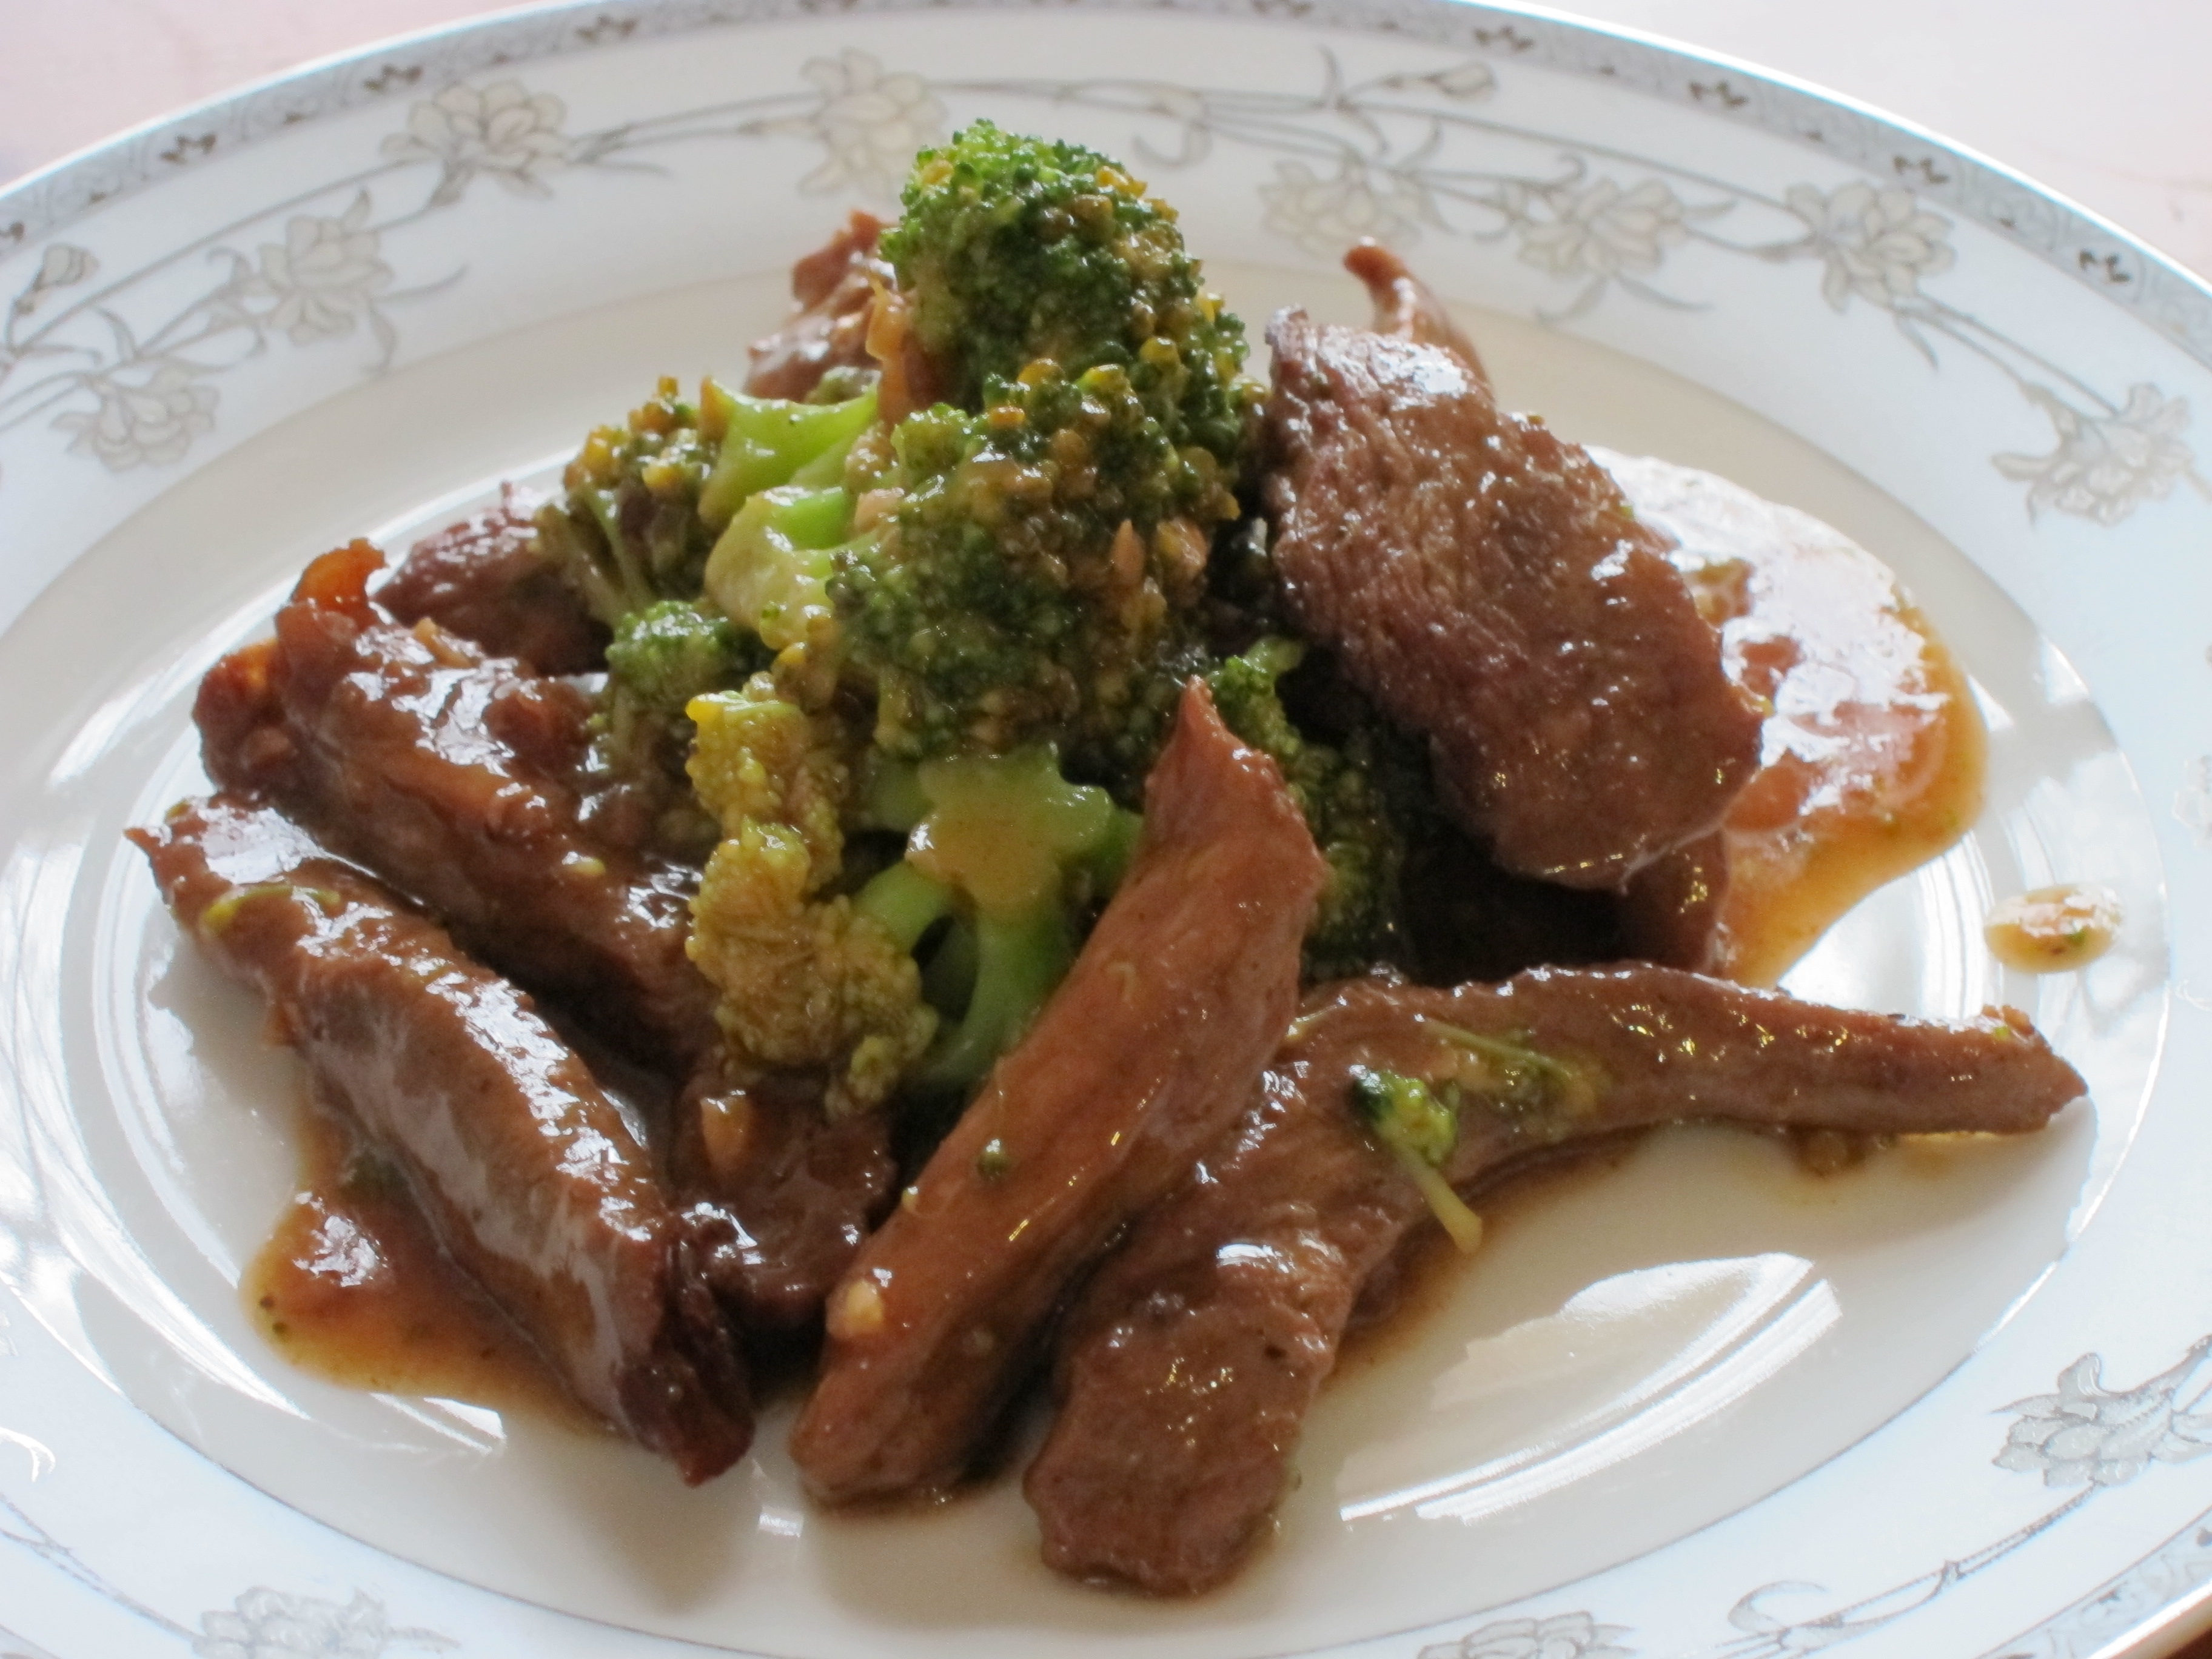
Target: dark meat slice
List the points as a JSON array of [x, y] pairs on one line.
[[833, 286], [1670, 910], [521, 1164], [1486, 584], [787, 1193], [1145, 1054], [451, 775], [1468, 919], [1404, 304], [483, 579], [1187, 1365]]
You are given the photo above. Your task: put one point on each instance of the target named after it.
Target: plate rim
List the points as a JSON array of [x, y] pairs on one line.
[[77, 186]]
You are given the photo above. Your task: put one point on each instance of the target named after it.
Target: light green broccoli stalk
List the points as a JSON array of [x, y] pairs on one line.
[[767, 442], [645, 501], [1011, 854], [1420, 1130]]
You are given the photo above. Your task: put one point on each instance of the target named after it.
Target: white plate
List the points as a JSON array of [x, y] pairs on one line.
[[1699, 1404]]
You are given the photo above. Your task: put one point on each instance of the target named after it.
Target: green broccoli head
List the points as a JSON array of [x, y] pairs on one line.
[[627, 531], [666, 654], [661, 659], [1406, 1114], [1346, 804], [645, 501], [1017, 249], [1040, 579]]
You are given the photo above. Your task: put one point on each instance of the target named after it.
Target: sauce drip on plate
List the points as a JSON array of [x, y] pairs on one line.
[[1872, 756], [2053, 930], [352, 1287]]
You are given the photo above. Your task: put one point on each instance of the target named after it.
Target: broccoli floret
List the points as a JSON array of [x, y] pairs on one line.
[[666, 654], [807, 982], [659, 659], [627, 532], [645, 500], [1015, 250], [1357, 922], [1040, 579], [1014, 856], [1420, 1130]]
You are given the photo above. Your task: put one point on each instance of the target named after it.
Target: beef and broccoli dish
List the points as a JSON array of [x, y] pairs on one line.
[[1094, 854]]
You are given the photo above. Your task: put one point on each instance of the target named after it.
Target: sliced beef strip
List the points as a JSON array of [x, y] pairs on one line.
[[1486, 584], [522, 1165], [1148, 1051], [833, 286], [451, 775], [1406, 306], [786, 1194], [1187, 1366], [483, 579]]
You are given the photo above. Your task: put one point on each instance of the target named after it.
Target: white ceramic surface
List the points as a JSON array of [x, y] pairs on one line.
[[1697, 1405]]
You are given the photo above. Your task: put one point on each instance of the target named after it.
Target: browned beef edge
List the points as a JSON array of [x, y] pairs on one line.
[[1484, 583], [453, 776], [523, 1168]]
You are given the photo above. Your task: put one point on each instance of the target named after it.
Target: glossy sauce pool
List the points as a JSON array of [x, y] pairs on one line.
[[352, 1287], [1873, 755]]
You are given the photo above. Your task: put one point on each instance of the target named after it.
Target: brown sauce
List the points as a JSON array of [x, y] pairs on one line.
[[2053, 930], [351, 1286], [1875, 751], [1873, 764]]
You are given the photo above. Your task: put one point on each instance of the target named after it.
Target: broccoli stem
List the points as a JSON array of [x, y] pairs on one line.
[[766, 441], [1420, 1130], [1019, 961], [948, 978], [905, 902], [1463, 1224]]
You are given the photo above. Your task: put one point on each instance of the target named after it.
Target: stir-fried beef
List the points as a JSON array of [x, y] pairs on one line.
[[789, 1193], [1486, 584], [1670, 910], [521, 1164], [483, 579], [1468, 919], [1187, 1365], [1405, 307], [451, 775], [1146, 1052], [833, 286]]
